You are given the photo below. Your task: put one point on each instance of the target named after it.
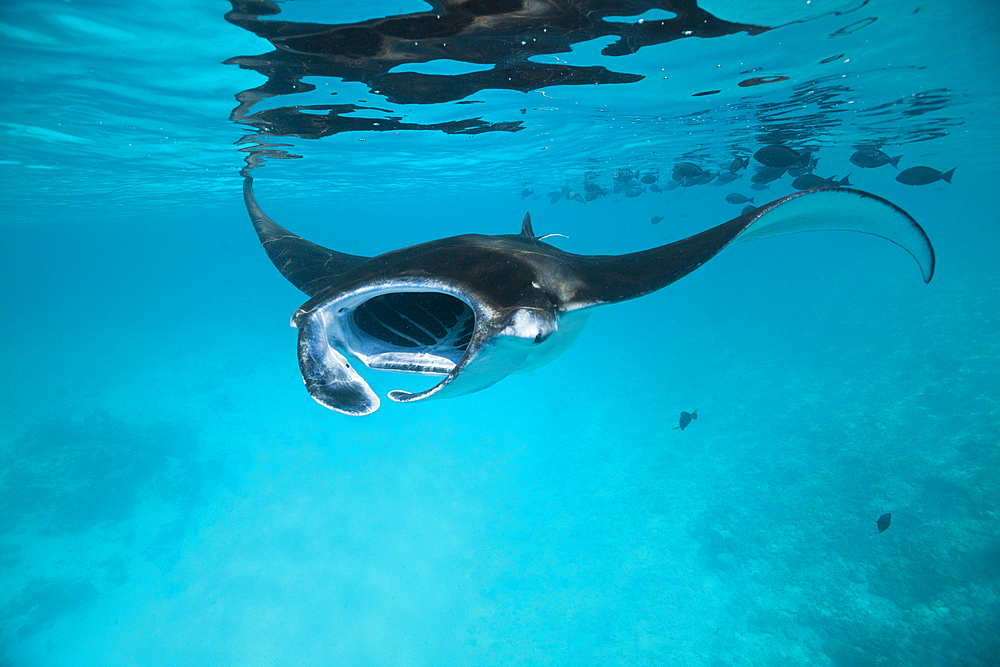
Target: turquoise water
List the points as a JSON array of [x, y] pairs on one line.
[[171, 495]]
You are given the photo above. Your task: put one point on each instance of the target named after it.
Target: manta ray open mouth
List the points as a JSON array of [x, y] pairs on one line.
[[417, 319]]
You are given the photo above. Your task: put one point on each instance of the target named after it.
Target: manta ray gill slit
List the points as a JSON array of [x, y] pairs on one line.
[[416, 319]]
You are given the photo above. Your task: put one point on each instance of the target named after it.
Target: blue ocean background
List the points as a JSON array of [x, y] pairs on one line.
[[170, 494]]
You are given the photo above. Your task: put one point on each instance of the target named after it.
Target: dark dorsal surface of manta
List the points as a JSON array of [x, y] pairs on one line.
[[476, 308]]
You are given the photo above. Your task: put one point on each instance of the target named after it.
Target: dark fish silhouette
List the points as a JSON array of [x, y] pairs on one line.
[[882, 521], [525, 193], [748, 208], [738, 163], [648, 178], [923, 176], [687, 418], [727, 177], [686, 170], [781, 157], [800, 169], [737, 198], [809, 181], [767, 174], [869, 158], [623, 175], [656, 219]]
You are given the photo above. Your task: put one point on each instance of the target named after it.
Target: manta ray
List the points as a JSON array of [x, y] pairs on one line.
[[476, 308]]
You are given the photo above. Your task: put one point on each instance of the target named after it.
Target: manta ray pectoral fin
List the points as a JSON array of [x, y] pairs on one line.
[[308, 266], [328, 376], [842, 209], [617, 278]]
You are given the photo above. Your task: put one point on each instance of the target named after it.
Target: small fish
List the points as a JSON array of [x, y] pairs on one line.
[[798, 170], [648, 179], [623, 175], [811, 181], [882, 521], [655, 188], [688, 417], [738, 163], [759, 187], [686, 170], [634, 192], [767, 174], [923, 176], [781, 157], [737, 198], [656, 219], [592, 191], [727, 177], [869, 158], [748, 208], [525, 193]]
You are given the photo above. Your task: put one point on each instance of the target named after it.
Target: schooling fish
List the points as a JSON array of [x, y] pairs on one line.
[[781, 157], [869, 158], [686, 170], [687, 418], [923, 176], [809, 181], [737, 198], [768, 174], [800, 169]]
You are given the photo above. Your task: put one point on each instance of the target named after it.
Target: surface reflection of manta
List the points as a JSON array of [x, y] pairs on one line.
[[477, 308]]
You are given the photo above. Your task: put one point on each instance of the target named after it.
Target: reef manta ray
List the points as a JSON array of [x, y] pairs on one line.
[[477, 308]]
